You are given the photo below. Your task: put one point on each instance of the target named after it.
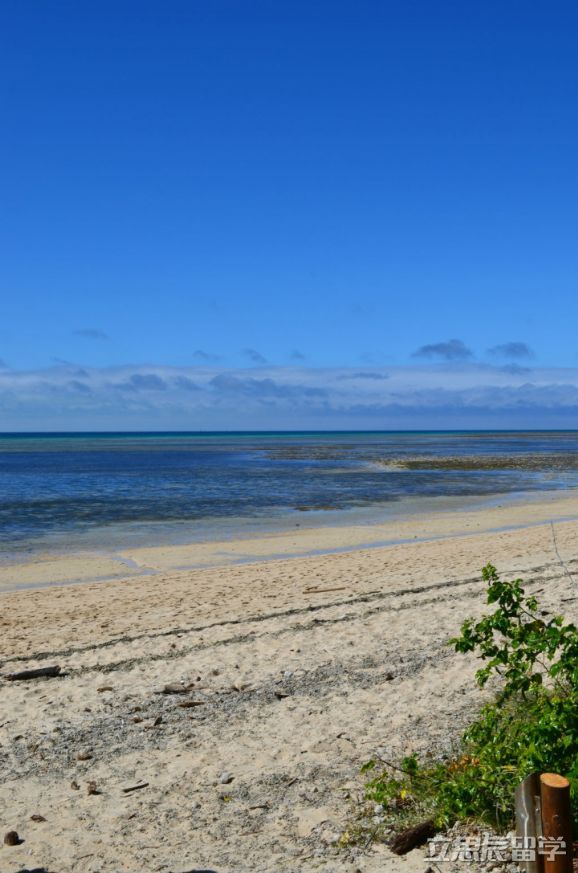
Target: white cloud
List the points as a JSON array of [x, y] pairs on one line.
[[162, 397]]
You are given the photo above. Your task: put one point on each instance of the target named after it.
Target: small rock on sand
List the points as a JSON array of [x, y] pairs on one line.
[[12, 839], [84, 756], [225, 778]]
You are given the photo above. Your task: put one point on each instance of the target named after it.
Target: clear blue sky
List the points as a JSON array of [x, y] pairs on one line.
[[323, 183]]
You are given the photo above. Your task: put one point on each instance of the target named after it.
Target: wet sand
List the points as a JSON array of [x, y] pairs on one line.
[[441, 519]]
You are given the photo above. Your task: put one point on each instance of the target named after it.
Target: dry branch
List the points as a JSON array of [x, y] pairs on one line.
[[39, 673]]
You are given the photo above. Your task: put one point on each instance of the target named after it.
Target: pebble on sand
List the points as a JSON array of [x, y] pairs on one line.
[[84, 756], [12, 839]]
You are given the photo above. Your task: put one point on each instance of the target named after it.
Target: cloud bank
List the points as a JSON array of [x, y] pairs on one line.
[[434, 396]]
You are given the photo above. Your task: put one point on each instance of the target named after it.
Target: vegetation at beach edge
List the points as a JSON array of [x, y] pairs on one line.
[[530, 725]]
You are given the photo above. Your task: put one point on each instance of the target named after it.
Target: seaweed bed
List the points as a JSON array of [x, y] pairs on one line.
[[538, 462]]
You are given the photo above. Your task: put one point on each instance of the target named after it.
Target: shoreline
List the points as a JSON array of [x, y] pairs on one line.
[[424, 521]]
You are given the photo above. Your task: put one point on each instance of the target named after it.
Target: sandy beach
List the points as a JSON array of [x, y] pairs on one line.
[[298, 657]]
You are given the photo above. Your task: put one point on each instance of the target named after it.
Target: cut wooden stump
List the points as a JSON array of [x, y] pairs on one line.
[[556, 823], [411, 838]]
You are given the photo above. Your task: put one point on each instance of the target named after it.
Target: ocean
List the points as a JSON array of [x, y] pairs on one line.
[[132, 488]]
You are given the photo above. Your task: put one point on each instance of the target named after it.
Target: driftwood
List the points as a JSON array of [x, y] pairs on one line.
[[411, 838], [39, 673], [136, 787], [324, 590], [176, 689]]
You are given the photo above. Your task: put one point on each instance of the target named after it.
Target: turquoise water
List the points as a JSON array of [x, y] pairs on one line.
[[148, 485]]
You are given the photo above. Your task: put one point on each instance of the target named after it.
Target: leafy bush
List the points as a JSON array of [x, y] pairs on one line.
[[532, 725]]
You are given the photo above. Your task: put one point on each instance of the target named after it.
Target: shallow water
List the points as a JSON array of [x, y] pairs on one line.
[[153, 488]]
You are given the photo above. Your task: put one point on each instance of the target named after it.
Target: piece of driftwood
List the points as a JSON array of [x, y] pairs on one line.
[[411, 838], [324, 590], [39, 673], [177, 689], [528, 827], [136, 787]]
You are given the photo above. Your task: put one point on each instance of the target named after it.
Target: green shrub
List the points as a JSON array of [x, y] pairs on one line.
[[532, 725]]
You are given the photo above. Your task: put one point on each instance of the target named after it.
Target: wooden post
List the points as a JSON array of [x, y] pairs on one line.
[[556, 822], [528, 823]]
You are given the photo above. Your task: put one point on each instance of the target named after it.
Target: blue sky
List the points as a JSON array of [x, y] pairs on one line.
[[284, 191]]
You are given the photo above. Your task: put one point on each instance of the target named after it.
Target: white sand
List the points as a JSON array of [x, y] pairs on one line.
[[245, 635]]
